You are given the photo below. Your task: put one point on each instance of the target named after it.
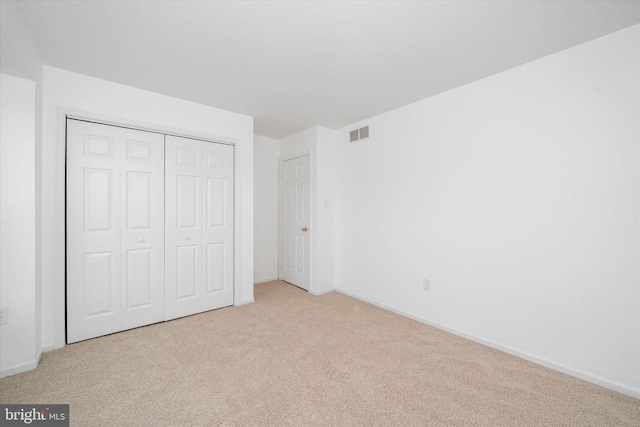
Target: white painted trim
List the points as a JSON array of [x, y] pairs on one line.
[[293, 156], [48, 348], [237, 297], [594, 379], [246, 301], [147, 127], [322, 291], [59, 233], [21, 367], [272, 279]]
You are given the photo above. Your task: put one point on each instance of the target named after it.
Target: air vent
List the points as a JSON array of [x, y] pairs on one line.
[[364, 132], [357, 134]]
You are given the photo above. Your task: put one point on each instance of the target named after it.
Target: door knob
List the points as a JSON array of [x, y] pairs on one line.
[[305, 229], [187, 238], [140, 240]]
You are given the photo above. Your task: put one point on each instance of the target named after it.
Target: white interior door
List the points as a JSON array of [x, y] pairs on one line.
[[115, 217], [295, 256], [198, 226]]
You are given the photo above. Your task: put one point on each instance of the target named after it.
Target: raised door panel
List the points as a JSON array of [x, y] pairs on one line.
[[98, 286], [98, 209], [215, 267], [187, 276], [183, 227], [187, 202], [139, 292]]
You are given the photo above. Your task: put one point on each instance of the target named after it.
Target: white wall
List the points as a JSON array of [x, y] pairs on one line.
[[266, 152], [518, 196], [320, 143], [19, 344], [301, 142], [324, 245], [66, 92], [19, 57]]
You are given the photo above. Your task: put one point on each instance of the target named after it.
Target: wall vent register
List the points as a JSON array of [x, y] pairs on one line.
[[358, 134]]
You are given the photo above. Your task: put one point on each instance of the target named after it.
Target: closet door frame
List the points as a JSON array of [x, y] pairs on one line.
[[62, 114]]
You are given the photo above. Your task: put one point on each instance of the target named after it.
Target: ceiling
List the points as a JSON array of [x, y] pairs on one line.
[[295, 64]]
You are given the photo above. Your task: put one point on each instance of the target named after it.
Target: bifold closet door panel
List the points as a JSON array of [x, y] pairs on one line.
[[198, 226], [183, 227], [115, 229], [142, 238], [93, 231], [217, 233]]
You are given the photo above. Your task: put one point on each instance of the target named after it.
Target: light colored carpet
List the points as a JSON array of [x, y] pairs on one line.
[[292, 358]]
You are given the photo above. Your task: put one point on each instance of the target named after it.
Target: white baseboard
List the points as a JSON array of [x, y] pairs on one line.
[[21, 367], [595, 379], [48, 348], [321, 291], [245, 301], [265, 280]]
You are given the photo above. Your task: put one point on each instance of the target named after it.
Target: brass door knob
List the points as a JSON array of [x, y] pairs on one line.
[[305, 229]]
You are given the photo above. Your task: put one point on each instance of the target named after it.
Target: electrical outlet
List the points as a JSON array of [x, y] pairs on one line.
[[4, 315], [426, 284]]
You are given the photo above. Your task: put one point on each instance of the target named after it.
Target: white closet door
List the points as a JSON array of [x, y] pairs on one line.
[[183, 226], [115, 216], [142, 235], [198, 226], [93, 231], [217, 233]]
